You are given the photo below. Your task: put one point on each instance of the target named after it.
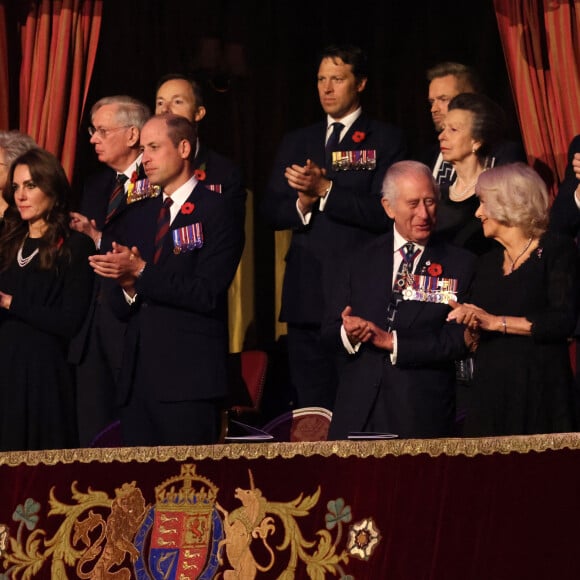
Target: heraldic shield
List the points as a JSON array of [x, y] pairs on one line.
[[180, 535]]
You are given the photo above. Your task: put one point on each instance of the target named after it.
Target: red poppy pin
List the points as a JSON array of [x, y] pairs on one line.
[[187, 208], [200, 174], [434, 269], [358, 136], [134, 177]]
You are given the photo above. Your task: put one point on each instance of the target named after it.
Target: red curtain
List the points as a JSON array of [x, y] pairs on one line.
[[59, 44], [541, 42], [4, 112]]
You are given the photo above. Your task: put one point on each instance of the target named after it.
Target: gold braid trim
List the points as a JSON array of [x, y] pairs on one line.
[[431, 447]]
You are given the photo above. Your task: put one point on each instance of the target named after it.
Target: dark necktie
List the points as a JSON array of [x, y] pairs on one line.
[[402, 280], [333, 142], [163, 220], [445, 174], [116, 196], [408, 254]]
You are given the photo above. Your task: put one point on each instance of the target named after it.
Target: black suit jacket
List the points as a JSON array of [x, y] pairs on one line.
[[565, 215], [353, 213], [95, 197], [177, 333], [223, 177], [95, 201], [420, 387]]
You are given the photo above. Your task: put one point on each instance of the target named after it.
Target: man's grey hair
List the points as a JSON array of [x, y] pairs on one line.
[[390, 188], [130, 111]]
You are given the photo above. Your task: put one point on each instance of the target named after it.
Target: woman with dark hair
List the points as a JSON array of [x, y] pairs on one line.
[[523, 305], [45, 289], [471, 128]]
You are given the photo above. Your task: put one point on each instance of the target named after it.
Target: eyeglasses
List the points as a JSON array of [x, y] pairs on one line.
[[102, 132]]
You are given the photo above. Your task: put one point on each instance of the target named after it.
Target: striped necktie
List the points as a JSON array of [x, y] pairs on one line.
[[116, 196], [163, 221], [402, 280], [408, 253]]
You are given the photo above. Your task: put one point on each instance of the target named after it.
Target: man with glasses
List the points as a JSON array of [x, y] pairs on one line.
[[114, 133], [115, 129]]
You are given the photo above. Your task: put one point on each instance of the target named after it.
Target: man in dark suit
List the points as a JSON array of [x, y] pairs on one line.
[[182, 95], [387, 319], [116, 123], [181, 255], [447, 80], [325, 187], [565, 219]]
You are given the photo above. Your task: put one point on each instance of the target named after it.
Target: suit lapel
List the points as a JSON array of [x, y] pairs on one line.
[[318, 151], [123, 205], [361, 125], [379, 270], [181, 220]]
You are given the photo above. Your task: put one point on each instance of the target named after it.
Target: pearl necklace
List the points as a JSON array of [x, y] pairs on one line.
[[462, 195], [22, 262], [519, 255]]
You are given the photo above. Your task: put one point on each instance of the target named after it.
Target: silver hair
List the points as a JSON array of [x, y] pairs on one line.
[[15, 144], [130, 111], [390, 188], [515, 195]]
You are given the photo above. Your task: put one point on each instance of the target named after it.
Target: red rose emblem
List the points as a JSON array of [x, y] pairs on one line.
[[187, 208], [199, 174], [358, 136], [434, 269]]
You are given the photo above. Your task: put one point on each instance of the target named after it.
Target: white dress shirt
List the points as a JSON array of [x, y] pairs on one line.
[[398, 243]]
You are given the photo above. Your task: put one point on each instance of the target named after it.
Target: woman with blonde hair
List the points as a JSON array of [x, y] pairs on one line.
[[522, 310]]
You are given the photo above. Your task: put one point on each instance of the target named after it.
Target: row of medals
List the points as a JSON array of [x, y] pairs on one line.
[[427, 288], [365, 159]]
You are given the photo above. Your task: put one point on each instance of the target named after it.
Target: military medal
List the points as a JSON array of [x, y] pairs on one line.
[[187, 238], [142, 189], [430, 289], [360, 159]]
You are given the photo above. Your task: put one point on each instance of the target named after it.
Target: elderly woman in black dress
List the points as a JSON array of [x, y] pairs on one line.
[[473, 125], [522, 309], [45, 289]]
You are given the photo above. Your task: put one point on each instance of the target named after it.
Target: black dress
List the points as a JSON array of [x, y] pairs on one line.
[[523, 384], [37, 400], [457, 224]]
